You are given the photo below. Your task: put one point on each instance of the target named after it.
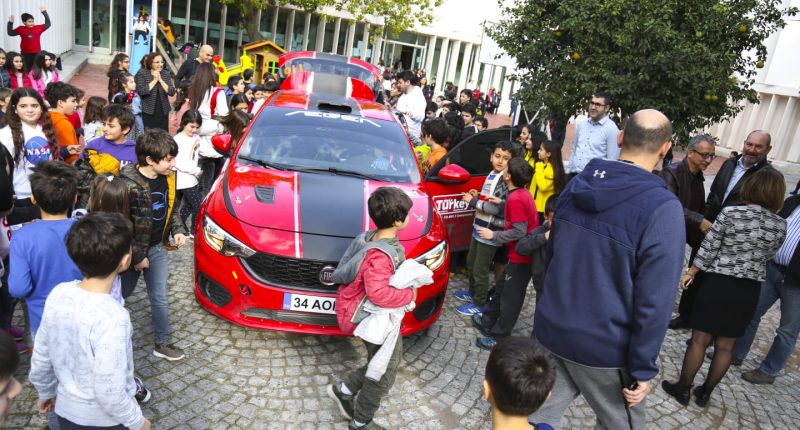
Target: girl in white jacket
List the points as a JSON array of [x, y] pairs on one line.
[[186, 164]]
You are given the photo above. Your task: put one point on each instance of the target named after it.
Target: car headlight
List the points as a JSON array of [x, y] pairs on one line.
[[434, 258], [223, 242]]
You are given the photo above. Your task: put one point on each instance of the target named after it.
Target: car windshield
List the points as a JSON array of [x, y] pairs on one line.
[[337, 143], [330, 67]]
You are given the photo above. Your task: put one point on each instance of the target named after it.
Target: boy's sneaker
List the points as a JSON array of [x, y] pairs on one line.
[[142, 394], [486, 343], [368, 426], [477, 322], [345, 402], [463, 295], [170, 352], [469, 309]]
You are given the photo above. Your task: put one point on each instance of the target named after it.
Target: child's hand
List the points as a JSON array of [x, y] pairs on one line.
[[74, 149], [180, 239], [495, 200], [199, 173], [45, 406], [547, 235], [146, 425], [11, 18], [144, 264], [485, 233], [467, 197], [414, 296]]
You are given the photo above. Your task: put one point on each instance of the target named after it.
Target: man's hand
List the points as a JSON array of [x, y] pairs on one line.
[[144, 264], [180, 239], [42, 8], [45, 406], [485, 233], [634, 397], [705, 226]]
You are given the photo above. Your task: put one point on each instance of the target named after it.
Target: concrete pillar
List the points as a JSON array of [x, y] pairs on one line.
[[306, 32], [336, 27], [377, 47], [258, 20], [222, 31], [440, 80], [289, 31], [453, 61], [274, 27], [365, 42], [476, 66], [351, 35], [462, 76], [431, 51], [319, 45]]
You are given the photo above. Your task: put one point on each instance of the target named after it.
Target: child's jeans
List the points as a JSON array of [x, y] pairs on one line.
[[65, 424], [503, 309], [371, 392], [190, 205], [155, 278], [479, 263]]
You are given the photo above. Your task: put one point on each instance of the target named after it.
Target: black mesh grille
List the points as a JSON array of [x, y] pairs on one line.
[[265, 194], [215, 293], [288, 272], [292, 317]]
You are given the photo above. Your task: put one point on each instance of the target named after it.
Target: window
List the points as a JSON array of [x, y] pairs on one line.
[[473, 154], [272, 67]]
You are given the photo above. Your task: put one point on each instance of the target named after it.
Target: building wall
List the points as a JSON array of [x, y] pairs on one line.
[[57, 39]]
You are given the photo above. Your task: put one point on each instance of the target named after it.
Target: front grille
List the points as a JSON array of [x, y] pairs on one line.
[[215, 293], [325, 320], [288, 272]]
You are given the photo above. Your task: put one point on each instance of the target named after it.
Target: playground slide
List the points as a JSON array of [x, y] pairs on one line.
[[140, 50]]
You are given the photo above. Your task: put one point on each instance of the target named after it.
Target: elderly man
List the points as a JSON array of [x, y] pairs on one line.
[[604, 324], [727, 185], [685, 180], [595, 137], [188, 67]]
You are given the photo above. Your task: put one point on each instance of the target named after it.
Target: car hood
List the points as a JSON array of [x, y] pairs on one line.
[[314, 203]]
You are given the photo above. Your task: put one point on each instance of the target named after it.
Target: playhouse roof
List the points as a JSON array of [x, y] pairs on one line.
[[262, 43]]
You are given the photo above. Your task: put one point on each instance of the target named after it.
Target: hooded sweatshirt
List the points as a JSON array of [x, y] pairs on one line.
[[364, 271], [617, 249]]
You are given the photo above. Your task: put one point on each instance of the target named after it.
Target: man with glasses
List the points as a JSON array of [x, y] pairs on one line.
[[727, 185], [596, 137], [685, 180]]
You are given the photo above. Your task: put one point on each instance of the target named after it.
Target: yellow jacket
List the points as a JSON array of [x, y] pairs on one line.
[[542, 184]]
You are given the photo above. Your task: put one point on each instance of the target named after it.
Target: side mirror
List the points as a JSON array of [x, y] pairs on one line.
[[221, 142], [453, 174]]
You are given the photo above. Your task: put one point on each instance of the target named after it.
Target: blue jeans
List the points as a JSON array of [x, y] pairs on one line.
[[155, 278], [773, 289]]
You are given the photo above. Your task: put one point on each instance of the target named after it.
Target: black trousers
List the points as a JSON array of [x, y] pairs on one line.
[[157, 120], [504, 306], [28, 59]]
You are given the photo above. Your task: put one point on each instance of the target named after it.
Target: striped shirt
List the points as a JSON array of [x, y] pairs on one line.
[[784, 255], [741, 241]]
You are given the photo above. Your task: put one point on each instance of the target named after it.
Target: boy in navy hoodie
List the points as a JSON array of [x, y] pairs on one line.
[[617, 251], [364, 272]]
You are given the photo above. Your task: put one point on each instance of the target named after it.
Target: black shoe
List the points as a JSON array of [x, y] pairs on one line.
[[477, 322], [701, 396], [677, 391], [678, 323], [345, 402], [142, 394]]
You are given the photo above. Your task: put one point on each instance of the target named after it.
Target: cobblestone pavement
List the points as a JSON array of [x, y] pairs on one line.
[[235, 377]]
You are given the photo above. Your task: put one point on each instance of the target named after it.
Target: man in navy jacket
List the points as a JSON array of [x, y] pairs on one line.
[[617, 253]]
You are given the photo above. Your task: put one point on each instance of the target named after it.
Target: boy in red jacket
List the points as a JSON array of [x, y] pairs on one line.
[[364, 271], [30, 34]]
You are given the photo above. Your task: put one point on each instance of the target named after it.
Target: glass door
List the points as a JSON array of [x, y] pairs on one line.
[[101, 20], [82, 24]]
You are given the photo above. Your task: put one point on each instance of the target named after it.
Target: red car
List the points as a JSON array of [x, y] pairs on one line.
[[348, 76], [293, 196]]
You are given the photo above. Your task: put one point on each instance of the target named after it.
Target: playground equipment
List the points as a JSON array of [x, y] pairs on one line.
[[261, 56], [226, 72]]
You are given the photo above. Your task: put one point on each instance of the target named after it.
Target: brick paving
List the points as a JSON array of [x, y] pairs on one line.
[[234, 377]]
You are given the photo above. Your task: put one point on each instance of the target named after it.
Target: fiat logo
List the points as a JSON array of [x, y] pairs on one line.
[[326, 275]]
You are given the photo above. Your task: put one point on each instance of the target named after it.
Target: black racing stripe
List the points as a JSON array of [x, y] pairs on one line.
[[329, 206], [324, 248]]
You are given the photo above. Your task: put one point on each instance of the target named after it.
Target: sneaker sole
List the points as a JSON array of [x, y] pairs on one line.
[[160, 355], [461, 299], [468, 313], [339, 404], [146, 398]]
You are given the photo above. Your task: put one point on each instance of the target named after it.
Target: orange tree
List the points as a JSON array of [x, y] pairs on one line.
[[397, 15], [691, 59]]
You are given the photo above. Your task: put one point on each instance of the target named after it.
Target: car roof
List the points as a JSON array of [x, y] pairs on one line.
[[328, 102]]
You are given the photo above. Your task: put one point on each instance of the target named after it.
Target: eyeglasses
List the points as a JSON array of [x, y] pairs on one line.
[[706, 155], [595, 104]]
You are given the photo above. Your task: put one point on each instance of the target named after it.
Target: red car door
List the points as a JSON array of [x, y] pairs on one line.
[[464, 168]]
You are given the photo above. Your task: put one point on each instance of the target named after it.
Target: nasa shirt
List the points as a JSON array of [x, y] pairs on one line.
[[35, 151], [158, 194]]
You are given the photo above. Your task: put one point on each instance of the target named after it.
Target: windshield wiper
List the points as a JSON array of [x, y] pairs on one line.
[[262, 163], [335, 171]]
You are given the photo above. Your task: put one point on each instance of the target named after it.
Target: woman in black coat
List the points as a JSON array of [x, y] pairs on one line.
[[155, 86]]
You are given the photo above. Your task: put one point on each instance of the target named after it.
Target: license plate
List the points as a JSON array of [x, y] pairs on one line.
[[306, 303]]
